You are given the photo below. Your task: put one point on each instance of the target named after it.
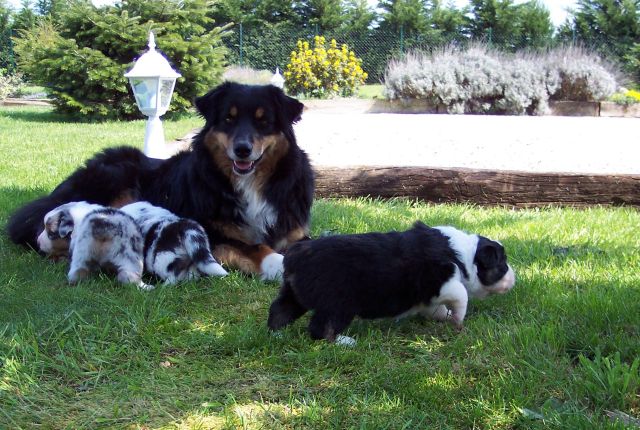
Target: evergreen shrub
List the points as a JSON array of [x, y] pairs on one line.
[[82, 60]]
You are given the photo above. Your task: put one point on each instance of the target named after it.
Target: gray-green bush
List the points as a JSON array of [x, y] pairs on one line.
[[9, 84], [478, 79]]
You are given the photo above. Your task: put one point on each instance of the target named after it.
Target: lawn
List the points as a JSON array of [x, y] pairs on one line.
[[561, 350]]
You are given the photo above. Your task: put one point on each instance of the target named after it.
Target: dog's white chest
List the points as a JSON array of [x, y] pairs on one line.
[[258, 214]]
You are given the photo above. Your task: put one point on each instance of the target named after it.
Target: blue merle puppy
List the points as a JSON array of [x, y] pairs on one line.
[[108, 239], [175, 248]]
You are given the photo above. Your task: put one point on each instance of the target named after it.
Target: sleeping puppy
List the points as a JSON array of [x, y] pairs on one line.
[[58, 227], [108, 239], [175, 248], [428, 271]]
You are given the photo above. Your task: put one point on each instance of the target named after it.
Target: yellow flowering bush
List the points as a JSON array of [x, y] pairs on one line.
[[629, 97], [321, 72]]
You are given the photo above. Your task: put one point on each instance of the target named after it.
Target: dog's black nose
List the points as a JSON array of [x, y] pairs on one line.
[[242, 149]]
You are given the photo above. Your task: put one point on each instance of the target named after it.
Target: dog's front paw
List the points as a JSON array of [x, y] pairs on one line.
[[271, 268]]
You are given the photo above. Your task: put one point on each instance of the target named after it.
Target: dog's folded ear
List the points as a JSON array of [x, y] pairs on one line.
[[207, 104], [65, 224], [290, 108], [488, 253]]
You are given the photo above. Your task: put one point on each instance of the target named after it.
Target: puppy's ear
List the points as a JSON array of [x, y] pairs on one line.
[[65, 224], [290, 108], [488, 254], [209, 104]]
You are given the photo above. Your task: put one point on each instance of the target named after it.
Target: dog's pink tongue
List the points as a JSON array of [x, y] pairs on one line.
[[243, 165]]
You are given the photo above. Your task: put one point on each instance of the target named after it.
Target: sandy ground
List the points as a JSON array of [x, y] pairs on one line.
[[343, 137]]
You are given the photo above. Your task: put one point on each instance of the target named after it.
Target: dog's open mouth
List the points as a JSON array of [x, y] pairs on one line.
[[244, 167]]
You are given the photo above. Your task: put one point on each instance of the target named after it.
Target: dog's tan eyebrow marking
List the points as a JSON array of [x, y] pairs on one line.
[[233, 112], [259, 113]]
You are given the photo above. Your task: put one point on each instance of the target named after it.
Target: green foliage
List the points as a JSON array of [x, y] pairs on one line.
[[82, 60], [6, 53], [410, 15], [322, 72], [510, 26], [323, 15], [613, 24]]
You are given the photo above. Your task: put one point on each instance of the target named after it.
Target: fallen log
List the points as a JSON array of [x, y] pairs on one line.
[[484, 187]]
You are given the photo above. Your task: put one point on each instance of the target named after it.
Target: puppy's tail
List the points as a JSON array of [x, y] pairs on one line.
[[197, 246]]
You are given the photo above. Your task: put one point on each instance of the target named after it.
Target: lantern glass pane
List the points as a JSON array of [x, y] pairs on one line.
[[145, 91], [166, 89]]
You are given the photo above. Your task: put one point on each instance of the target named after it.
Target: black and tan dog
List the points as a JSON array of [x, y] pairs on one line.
[[244, 179]]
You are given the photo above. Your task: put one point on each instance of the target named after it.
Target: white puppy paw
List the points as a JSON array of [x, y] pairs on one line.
[[271, 267], [345, 340]]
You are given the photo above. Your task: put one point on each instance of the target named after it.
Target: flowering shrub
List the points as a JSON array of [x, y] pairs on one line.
[[584, 77], [322, 72], [9, 84], [481, 80], [626, 98]]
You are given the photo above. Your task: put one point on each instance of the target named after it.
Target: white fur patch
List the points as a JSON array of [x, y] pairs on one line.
[[258, 214], [345, 341], [454, 296], [271, 267]]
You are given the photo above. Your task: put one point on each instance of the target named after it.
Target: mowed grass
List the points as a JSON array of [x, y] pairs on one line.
[[560, 351]]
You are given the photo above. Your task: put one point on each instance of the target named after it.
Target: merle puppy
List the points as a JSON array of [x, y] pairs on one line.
[[430, 271], [175, 248], [107, 239]]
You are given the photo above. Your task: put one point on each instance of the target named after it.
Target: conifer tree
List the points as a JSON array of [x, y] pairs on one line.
[[82, 59]]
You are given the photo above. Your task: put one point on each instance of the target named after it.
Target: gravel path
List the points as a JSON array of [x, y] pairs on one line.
[[343, 137]]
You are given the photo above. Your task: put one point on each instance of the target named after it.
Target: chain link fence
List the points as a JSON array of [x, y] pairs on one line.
[[265, 48], [270, 47]]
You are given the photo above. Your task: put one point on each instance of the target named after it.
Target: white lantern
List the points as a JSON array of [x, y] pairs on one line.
[[152, 80], [277, 79]]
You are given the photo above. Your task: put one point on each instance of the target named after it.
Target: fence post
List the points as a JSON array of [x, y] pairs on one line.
[[241, 47], [402, 39]]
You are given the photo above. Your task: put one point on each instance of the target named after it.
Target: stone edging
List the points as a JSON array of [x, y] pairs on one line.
[[416, 106]]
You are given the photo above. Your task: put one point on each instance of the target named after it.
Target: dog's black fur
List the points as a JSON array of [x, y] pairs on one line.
[[198, 184]]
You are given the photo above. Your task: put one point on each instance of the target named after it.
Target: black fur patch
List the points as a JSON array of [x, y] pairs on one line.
[[491, 261]]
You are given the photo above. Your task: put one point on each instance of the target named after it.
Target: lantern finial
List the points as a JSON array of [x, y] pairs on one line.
[[152, 41]]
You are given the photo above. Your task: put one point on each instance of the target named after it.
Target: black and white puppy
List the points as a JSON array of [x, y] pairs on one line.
[[109, 239], [58, 228], [428, 271], [175, 248]]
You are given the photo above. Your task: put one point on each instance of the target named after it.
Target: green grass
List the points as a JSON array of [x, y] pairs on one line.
[[371, 91], [557, 352]]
